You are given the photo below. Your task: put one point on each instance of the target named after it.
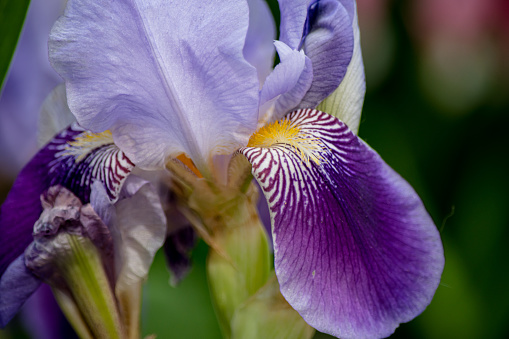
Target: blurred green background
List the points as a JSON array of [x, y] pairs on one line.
[[436, 110]]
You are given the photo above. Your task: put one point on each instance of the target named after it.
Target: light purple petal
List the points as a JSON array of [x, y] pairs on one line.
[[293, 18], [16, 285], [259, 49], [54, 115], [142, 225], [329, 44], [29, 80], [356, 253], [165, 77], [54, 165], [287, 84], [323, 29], [138, 225], [345, 103]]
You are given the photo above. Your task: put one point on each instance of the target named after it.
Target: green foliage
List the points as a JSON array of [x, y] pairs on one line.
[[12, 16]]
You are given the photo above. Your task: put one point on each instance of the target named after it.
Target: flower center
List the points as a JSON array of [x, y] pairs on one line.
[[87, 142], [286, 133]]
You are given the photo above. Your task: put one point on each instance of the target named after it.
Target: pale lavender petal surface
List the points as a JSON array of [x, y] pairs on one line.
[[165, 77], [29, 80], [288, 83], [141, 222], [345, 103], [53, 165], [258, 48], [16, 286], [293, 18], [356, 253], [323, 30], [329, 44]]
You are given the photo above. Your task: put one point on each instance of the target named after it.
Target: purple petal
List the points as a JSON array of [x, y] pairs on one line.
[[138, 225], [141, 222], [355, 251], [177, 250], [288, 83], [16, 285], [345, 103], [323, 29], [165, 78], [329, 44], [29, 80], [51, 166], [293, 18], [43, 319], [259, 49]]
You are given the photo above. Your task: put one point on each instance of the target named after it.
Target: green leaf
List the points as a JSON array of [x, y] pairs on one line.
[[12, 16]]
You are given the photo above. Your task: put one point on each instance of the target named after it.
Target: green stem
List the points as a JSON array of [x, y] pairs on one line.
[[243, 266]]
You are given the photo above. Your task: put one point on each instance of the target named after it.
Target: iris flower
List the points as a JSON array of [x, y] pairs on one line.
[[355, 251], [78, 184]]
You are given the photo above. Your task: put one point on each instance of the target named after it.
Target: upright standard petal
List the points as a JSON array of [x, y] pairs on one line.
[[293, 18], [323, 30], [287, 84], [356, 253], [258, 49], [74, 166], [164, 77], [345, 103], [328, 40]]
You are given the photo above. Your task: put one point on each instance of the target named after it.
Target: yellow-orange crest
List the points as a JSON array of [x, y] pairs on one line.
[[87, 142], [284, 132]]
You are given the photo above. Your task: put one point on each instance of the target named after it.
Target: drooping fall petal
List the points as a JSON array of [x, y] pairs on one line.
[[76, 167], [356, 253]]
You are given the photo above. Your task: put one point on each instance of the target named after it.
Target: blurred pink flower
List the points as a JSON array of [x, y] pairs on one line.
[[458, 50], [377, 39]]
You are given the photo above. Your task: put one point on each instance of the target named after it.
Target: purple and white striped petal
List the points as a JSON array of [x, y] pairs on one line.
[[356, 253], [165, 77], [58, 163]]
